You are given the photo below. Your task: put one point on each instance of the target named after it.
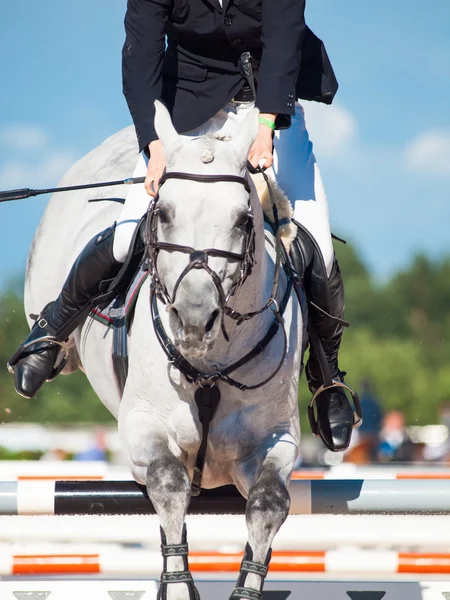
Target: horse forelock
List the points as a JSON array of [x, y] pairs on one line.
[[210, 145], [208, 149]]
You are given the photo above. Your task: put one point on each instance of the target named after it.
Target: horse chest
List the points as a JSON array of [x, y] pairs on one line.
[[238, 427]]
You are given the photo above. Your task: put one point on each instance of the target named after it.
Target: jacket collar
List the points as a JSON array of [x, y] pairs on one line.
[[218, 6]]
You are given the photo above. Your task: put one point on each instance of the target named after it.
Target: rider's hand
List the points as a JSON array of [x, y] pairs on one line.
[[156, 166], [262, 148]]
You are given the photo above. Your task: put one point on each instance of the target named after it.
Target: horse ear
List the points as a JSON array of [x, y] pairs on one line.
[[247, 134], [164, 126]]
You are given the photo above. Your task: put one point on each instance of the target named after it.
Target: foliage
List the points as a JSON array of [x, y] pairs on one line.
[[399, 339], [67, 399], [6, 454]]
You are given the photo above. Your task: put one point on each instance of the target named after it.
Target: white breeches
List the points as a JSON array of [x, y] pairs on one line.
[[294, 168]]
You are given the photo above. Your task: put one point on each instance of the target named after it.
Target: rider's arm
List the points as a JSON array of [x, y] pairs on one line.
[[142, 60], [283, 30]]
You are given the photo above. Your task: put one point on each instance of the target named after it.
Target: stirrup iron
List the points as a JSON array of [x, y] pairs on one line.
[[41, 322], [357, 413]]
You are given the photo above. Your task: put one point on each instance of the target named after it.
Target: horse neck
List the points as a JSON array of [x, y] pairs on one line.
[[253, 293]]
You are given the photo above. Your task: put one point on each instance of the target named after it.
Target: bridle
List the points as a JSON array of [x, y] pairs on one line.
[[198, 259]]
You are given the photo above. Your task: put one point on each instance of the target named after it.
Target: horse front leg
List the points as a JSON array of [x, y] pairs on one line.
[[169, 489], [264, 479]]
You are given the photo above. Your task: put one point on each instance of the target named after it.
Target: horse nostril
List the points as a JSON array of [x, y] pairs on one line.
[[210, 323], [174, 311]]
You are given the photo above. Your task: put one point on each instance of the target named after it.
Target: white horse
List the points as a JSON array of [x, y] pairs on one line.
[[253, 438]]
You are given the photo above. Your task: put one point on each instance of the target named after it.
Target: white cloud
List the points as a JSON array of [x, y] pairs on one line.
[[46, 172], [332, 129], [429, 153], [23, 137], [29, 158]]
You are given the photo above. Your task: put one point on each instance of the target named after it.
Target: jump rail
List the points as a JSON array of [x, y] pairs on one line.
[[89, 470], [307, 497], [118, 562]]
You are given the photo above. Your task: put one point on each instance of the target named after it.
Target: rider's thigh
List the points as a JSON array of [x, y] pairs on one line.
[[297, 173], [135, 207]]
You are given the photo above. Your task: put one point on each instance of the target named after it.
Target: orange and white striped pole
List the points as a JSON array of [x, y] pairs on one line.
[[133, 562], [370, 474], [66, 470]]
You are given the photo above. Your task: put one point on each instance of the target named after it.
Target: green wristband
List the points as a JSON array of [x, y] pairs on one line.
[[267, 122]]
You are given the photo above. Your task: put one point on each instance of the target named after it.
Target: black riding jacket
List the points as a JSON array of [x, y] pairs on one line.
[[199, 70]]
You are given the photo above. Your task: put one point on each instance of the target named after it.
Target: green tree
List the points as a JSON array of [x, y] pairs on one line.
[[399, 339], [68, 399]]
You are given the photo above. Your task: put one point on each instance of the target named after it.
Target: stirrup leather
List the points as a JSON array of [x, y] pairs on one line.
[[336, 383]]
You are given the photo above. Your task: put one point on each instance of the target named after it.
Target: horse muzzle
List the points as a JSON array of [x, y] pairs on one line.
[[194, 337]]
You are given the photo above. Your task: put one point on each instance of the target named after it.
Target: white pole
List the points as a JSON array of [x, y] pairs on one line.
[[225, 532]]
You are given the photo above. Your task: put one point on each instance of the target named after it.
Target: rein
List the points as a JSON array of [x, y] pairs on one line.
[[195, 376]]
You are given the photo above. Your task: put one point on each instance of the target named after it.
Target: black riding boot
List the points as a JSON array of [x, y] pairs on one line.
[[335, 416], [38, 358]]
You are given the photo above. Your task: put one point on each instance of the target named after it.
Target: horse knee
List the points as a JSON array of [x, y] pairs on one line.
[[167, 478], [267, 508], [268, 502]]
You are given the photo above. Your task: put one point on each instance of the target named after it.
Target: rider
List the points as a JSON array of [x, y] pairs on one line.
[[196, 74]]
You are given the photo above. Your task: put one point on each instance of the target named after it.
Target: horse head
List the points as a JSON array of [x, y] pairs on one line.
[[201, 229]]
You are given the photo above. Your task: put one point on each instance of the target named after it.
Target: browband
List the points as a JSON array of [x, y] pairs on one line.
[[205, 178]]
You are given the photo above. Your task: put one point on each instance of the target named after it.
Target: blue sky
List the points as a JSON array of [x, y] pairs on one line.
[[383, 147]]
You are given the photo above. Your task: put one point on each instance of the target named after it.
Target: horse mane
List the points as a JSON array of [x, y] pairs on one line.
[[284, 208]]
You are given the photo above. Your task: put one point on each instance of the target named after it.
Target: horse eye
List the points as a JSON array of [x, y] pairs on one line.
[[243, 220], [163, 215]]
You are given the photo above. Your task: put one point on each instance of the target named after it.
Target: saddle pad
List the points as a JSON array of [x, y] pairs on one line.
[[118, 310]]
